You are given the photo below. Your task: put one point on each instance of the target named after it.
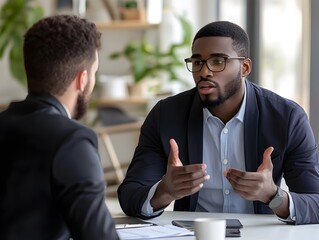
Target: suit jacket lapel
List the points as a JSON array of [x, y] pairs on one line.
[[195, 132], [195, 140], [251, 135], [250, 129]]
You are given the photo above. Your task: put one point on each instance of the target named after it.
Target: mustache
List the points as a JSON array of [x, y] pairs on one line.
[[212, 82]]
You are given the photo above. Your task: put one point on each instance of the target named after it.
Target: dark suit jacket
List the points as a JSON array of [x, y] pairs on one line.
[[51, 180], [270, 120]]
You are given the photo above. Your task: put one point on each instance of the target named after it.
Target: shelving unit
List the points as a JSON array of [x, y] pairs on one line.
[[114, 35], [125, 25], [118, 102], [136, 107]]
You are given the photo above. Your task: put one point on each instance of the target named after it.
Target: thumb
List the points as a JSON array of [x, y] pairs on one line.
[[173, 158], [266, 164]]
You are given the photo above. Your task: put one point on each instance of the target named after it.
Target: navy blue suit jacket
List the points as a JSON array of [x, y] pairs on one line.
[[51, 180], [270, 120]]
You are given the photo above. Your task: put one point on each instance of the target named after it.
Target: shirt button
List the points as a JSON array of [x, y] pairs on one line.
[[225, 161], [225, 130], [226, 191]]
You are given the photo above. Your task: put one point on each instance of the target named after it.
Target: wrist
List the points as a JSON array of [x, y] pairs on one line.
[[161, 198], [272, 194]]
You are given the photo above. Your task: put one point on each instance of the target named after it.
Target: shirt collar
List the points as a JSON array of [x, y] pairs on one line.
[[67, 111], [239, 115]]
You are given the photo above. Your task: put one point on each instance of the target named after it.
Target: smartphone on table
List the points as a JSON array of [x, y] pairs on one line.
[[233, 226]]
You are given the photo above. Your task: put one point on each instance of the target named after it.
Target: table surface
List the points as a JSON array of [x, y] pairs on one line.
[[255, 226]]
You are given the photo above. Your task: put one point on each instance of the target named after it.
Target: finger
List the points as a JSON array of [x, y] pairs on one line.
[[237, 175], [186, 192], [188, 188], [188, 184], [246, 189], [266, 164], [173, 158], [242, 185], [193, 168], [190, 178]]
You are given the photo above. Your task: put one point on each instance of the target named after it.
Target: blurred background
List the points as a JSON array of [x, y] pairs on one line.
[[144, 43]]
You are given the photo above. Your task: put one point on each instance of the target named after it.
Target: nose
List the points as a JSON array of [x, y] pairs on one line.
[[205, 71]]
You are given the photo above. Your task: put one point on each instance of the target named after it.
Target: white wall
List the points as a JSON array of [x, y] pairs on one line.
[[10, 89]]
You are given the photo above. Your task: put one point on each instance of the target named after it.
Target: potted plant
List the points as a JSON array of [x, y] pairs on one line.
[[132, 10], [16, 16], [148, 61]]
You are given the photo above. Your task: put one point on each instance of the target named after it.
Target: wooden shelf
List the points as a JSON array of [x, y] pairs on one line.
[[125, 101], [125, 25]]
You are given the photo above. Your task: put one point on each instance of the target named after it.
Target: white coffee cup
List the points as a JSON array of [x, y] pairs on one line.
[[210, 229]]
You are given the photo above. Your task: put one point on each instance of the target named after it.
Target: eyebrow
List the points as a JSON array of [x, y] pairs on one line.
[[211, 55]]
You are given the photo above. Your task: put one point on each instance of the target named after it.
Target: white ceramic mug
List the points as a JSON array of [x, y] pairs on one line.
[[210, 229]]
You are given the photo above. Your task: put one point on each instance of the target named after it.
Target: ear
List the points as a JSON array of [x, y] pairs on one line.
[[246, 67], [81, 80]]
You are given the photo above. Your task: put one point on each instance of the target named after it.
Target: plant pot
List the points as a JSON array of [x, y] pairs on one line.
[[146, 88], [137, 89], [112, 86], [132, 14]]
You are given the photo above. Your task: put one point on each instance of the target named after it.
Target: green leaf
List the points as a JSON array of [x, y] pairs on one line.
[[16, 16], [16, 61], [147, 60], [34, 14], [4, 42]]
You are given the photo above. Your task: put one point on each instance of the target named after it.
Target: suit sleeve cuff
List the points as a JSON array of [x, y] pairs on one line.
[[147, 209]]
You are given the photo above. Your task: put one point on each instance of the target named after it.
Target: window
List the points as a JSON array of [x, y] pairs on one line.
[[284, 49], [233, 11]]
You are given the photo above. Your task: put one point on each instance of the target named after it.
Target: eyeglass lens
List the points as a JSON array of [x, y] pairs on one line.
[[214, 64]]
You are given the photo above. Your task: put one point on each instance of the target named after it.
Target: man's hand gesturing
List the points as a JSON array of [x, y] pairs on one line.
[[179, 180]]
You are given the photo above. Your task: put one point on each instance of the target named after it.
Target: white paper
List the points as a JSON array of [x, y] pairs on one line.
[[153, 232]]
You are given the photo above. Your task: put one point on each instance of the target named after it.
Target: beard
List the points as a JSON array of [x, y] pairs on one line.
[[230, 89], [82, 103]]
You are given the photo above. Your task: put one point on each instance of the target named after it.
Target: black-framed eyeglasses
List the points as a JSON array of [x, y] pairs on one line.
[[214, 64]]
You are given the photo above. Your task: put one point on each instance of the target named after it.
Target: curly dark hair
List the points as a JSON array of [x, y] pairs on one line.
[[55, 49], [227, 29]]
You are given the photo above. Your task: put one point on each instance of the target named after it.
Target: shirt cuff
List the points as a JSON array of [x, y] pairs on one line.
[[292, 217], [147, 209]]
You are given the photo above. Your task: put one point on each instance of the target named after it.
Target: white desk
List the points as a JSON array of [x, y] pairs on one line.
[[256, 227]]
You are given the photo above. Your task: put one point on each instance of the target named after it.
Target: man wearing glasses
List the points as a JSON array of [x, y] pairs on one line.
[[224, 145]]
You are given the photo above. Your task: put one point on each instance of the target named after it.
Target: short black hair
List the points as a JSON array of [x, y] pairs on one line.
[[227, 29], [56, 49]]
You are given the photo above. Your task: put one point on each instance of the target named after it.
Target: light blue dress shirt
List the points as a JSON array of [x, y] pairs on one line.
[[223, 147]]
